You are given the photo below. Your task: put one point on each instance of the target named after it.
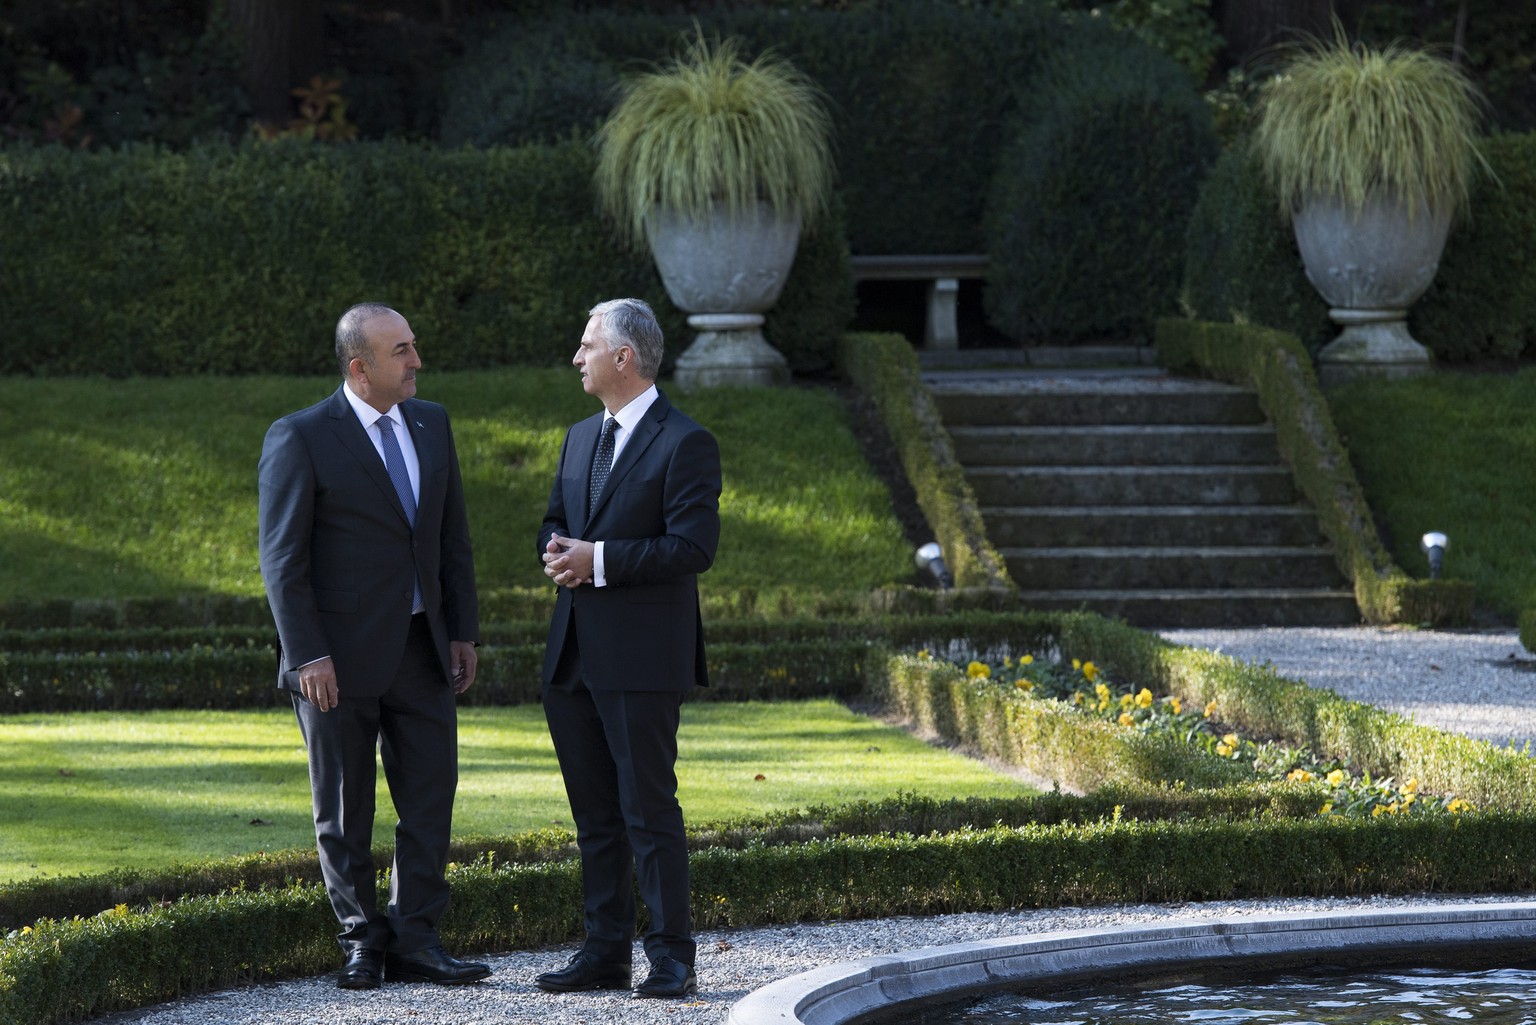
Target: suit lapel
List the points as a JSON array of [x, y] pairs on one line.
[[354, 438], [645, 432]]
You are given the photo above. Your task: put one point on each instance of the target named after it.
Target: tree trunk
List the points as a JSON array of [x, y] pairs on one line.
[[280, 45]]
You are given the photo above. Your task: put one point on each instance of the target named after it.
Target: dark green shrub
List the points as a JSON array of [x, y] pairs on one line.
[[235, 260], [1241, 264], [919, 90], [1483, 300], [1528, 629], [1089, 202]]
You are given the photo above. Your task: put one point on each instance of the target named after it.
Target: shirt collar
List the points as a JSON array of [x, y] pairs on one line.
[[631, 415], [369, 416]]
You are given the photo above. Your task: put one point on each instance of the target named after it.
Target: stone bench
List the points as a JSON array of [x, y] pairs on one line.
[[943, 274]]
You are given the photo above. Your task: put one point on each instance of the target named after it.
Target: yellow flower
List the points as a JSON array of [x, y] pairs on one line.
[[978, 671], [1411, 787], [1143, 698], [1126, 719], [1334, 778], [1176, 705], [1230, 738], [1223, 750], [1378, 810], [1299, 776], [1077, 664], [1326, 808], [925, 654], [1007, 661], [1027, 660], [1457, 806], [1409, 799], [1091, 671], [1024, 685], [1102, 690], [1210, 708]]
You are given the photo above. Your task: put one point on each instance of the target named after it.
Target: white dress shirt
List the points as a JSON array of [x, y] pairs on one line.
[[628, 418]]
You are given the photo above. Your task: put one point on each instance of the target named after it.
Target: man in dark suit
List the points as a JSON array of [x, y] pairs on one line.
[[366, 558], [633, 519]]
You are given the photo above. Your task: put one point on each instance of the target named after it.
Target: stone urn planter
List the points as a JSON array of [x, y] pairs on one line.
[[1370, 265], [715, 162], [725, 271], [1372, 151]]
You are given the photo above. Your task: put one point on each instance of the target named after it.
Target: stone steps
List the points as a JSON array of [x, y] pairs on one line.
[[1129, 491]]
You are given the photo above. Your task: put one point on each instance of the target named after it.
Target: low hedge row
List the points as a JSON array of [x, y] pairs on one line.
[[82, 896], [1259, 701], [201, 676], [497, 605], [143, 261], [64, 970], [1278, 368], [884, 368]]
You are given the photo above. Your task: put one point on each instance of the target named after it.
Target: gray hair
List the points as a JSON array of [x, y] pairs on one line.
[[633, 323], [352, 339]]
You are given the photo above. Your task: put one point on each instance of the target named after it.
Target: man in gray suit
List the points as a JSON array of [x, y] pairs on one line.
[[366, 559], [633, 519]]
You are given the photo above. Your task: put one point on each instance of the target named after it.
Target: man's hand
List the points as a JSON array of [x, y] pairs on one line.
[[568, 561], [317, 682], [462, 659]]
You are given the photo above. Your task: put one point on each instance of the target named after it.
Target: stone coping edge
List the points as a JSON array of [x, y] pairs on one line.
[[840, 993]]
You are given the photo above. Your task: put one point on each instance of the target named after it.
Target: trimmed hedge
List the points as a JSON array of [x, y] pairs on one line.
[[201, 676], [1259, 701], [1090, 198], [1275, 365], [1243, 265], [233, 260], [63, 970], [884, 367]]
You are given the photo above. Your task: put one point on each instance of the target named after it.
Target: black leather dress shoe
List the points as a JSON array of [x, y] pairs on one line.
[[433, 965], [364, 969], [585, 972], [669, 978]]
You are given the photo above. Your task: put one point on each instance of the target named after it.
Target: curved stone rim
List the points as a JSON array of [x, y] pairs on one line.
[[842, 992]]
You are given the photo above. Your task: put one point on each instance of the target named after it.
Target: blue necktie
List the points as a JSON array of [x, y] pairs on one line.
[[394, 462], [602, 462]]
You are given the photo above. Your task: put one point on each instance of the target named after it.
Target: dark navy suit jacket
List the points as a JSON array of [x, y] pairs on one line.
[[338, 556], [659, 520]]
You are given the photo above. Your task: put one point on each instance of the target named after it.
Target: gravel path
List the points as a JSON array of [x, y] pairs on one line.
[[1481, 683]]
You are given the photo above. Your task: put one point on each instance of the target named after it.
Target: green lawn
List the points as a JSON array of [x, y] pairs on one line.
[[146, 487], [93, 791], [1455, 453]]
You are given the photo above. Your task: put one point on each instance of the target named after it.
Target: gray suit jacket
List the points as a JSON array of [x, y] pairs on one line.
[[338, 557]]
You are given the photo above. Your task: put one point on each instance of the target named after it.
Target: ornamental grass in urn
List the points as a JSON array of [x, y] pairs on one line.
[[717, 162], [1372, 151]]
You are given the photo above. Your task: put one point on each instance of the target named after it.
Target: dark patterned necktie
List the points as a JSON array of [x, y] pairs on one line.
[[394, 462], [602, 462]]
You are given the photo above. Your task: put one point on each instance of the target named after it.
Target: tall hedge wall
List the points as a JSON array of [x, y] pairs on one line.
[[1089, 200], [919, 90], [232, 260]]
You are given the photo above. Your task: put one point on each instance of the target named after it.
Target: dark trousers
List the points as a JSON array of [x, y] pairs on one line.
[[617, 753], [413, 728]]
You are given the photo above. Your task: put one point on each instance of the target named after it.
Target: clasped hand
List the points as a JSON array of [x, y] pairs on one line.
[[568, 561]]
